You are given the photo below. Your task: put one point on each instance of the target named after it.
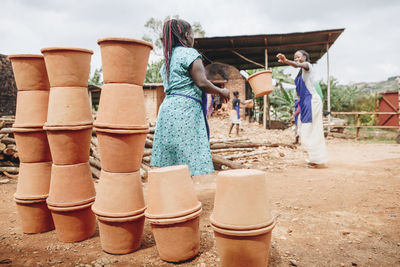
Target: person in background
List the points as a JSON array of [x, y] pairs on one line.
[[235, 112], [182, 135], [310, 119]]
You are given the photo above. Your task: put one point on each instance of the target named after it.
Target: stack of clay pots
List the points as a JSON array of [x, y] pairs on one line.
[[33, 147], [174, 213], [241, 218], [121, 129], [69, 130]]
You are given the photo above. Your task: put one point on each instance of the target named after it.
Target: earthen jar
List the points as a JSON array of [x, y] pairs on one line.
[[170, 193], [67, 66], [71, 185], [119, 195], [69, 145], [177, 239], [242, 200], [261, 83], [34, 215], [33, 180], [243, 248], [29, 72], [69, 106], [121, 235], [74, 224], [32, 145], [121, 150], [31, 109], [124, 60], [117, 99], [250, 104]]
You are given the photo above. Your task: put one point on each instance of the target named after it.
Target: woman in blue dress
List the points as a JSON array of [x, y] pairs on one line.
[[182, 133], [310, 121]]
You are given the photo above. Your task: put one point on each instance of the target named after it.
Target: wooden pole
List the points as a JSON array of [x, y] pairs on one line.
[[329, 86], [266, 117]]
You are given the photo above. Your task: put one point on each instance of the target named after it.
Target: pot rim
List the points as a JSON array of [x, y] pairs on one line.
[[174, 215], [117, 215], [49, 127], [240, 227], [108, 127], [29, 201], [25, 56], [37, 197], [120, 219], [66, 48], [70, 203], [123, 40], [257, 73], [176, 220], [18, 128], [72, 208], [122, 131], [254, 232]]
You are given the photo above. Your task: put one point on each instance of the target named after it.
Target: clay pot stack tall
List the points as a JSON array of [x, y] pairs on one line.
[[173, 211], [121, 129], [69, 130], [241, 218], [33, 147]]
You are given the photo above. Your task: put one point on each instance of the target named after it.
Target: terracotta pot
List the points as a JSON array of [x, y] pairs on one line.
[[243, 248], [170, 193], [32, 145], [33, 180], [29, 72], [74, 224], [250, 104], [31, 109], [241, 200], [67, 66], [124, 60], [121, 150], [69, 145], [34, 215], [69, 106], [261, 83], [177, 239], [119, 195], [117, 99], [121, 235], [71, 185]]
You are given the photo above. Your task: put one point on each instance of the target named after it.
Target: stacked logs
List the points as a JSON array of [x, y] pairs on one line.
[[69, 130], [121, 130]]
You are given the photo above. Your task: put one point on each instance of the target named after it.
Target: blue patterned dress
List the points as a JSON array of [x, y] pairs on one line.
[[181, 137]]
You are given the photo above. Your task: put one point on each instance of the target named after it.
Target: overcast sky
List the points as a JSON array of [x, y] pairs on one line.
[[368, 50]]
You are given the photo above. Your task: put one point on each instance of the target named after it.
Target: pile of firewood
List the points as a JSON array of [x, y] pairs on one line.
[[9, 160]]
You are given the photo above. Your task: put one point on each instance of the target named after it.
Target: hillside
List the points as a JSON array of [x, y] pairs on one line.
[[383, 86]]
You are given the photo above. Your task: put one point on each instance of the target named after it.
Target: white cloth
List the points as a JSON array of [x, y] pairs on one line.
[[233, 117]]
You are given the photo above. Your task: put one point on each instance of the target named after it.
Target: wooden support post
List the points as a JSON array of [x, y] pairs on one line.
[[266, 116], [329, 87], [358, 125]]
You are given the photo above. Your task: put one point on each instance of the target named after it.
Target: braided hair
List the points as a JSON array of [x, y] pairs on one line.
[[173, 34], [307, 60]]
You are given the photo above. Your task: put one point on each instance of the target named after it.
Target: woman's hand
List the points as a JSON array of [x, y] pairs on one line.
[[281, 58], [225, 95]]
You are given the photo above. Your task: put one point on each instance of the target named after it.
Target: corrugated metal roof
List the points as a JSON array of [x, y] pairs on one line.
[[225, 49]]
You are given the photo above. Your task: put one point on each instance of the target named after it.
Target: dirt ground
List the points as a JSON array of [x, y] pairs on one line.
[[345, 215]]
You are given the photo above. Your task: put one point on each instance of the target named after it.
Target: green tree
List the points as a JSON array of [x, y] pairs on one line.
[[96, 78]]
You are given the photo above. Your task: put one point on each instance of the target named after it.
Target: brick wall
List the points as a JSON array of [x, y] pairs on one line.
[[8, 88]]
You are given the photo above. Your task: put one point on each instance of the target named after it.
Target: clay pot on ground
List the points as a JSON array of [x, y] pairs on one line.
[[241, 200], [32, 144], [69, 145], [119, 195], [121, 235], [31, 109], [67, 66], [34, 215], [177, 239], [243, 248], [117, 99], [261, 83], [33, 180], [75, 223], [69, 106], [124, 60], [171, 193], [121, 150], [71, 185], [29, 72]]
